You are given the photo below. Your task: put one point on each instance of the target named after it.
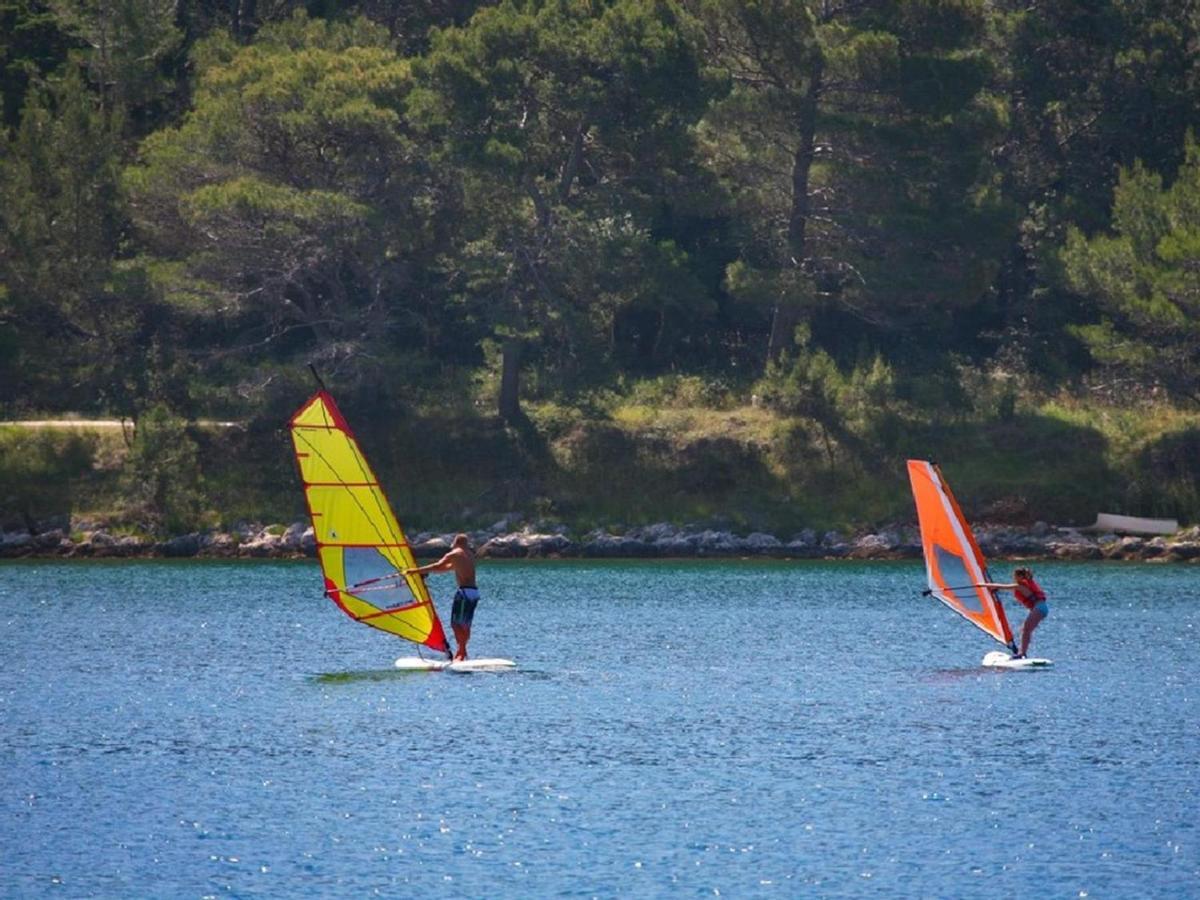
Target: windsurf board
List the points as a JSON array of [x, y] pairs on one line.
[[998, 659], [483, 664]]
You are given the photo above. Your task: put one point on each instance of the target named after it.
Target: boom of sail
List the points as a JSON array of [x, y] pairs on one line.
[[954, 565], [362, 550]]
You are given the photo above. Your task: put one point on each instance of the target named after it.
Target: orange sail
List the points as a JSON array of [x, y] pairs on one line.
[[360, 545], [956, 568]]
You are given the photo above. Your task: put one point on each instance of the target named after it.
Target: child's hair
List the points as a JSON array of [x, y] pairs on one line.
[[1023, 573]]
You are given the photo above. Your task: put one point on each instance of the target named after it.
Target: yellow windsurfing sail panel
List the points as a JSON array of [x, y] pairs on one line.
[[954, 564], [362, 550]]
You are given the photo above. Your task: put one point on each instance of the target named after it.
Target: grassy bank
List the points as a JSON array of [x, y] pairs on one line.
[[741, 467], [1055, 462]]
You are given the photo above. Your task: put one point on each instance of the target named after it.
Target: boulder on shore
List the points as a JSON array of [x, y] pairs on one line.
[[661, 540]]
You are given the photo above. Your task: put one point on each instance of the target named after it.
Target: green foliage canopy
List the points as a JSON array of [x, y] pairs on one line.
[[567, 123], [1145, 276], [292, 197], [855, 147]]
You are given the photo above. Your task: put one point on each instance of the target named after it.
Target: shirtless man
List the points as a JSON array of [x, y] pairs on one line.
[[461, 561], [1030, 595]]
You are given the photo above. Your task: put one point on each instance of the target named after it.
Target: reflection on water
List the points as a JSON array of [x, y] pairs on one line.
[[161, 736], [391, 674], [956, 673]]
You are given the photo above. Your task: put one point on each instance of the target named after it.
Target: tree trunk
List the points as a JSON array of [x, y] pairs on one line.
[[787, 312], [510, 380], [244, 13], [571, 168], [783, 327]]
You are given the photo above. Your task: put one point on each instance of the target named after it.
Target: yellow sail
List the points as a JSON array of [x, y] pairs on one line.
[[362, 550]]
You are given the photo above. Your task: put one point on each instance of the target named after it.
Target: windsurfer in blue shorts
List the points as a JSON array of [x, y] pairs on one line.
[[461, 561], [1030, 595]]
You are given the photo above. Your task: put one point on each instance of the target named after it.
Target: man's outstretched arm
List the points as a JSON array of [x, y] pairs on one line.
[[445, 564]]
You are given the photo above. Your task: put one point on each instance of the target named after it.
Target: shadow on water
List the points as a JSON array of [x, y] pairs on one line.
[[368, 675], [958, 674], [955, 674], [375, 675]]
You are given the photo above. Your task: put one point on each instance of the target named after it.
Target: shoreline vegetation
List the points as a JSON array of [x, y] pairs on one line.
[[89, 540], [674, 478], [637, 279]]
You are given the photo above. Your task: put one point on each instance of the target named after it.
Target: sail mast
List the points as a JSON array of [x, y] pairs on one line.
[[361, 547], [320, 383], [955, 566]]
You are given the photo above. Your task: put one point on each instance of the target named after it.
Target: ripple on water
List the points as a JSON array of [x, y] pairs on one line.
[[736, 728]]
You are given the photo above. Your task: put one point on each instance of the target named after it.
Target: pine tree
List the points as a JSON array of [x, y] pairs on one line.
[[1145, 277]]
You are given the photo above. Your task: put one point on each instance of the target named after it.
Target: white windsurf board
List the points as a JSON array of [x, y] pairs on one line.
[[483, 664], [998, 659]]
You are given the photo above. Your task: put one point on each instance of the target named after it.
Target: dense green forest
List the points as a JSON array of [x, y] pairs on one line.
[[606, 261]]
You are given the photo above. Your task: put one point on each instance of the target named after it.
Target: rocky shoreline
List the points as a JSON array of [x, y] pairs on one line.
[[84, 539]]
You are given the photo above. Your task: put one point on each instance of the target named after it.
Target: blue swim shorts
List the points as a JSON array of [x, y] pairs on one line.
[[1041, 607], [463, 610]]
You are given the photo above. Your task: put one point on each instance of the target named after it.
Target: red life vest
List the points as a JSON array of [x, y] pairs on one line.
[[1029, 593]]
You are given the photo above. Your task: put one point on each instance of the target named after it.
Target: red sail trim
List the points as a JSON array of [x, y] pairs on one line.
[[338, 421], [357, 590], [437, 637], [389, 611], [325, 435], [332, 591], [292, 423]]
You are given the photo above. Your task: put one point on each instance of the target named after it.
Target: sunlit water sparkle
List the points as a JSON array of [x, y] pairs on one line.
[[694, 728]]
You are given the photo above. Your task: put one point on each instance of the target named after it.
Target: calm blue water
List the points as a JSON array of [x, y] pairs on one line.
[[675, 729]]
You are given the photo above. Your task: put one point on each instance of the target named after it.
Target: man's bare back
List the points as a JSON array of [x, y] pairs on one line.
[[462, 562], [458, 560]]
